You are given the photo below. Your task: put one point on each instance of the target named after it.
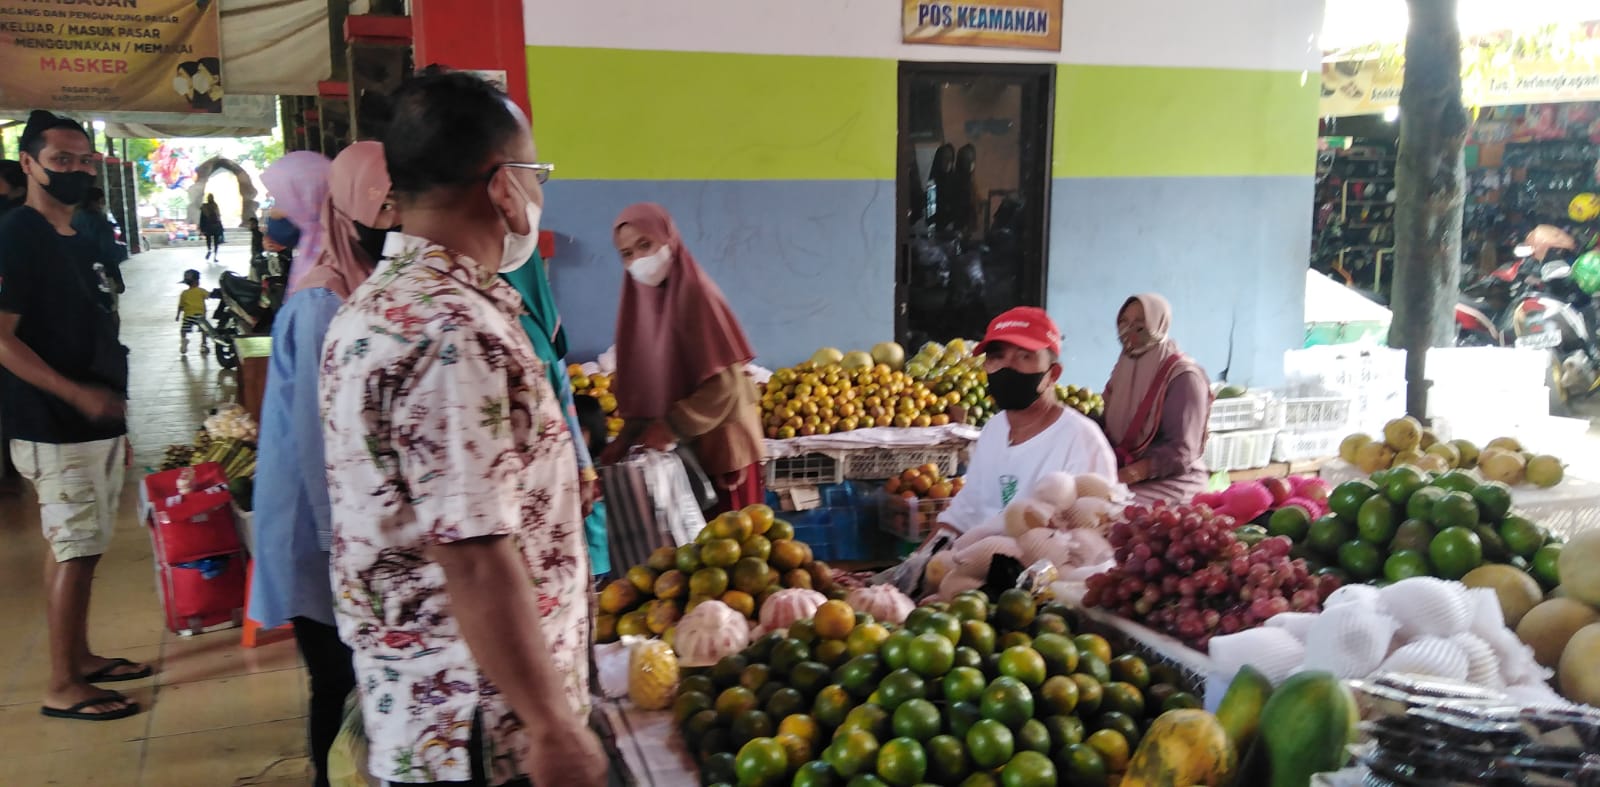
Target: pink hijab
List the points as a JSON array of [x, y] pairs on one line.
[[358, 184], [298, 183], [1138, 386], [671, 338]]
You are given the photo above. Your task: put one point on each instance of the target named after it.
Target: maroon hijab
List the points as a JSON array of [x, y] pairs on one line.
[[674, 337]]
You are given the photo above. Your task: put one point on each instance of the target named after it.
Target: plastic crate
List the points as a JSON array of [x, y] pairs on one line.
[[1315, 414], [1244, 450], [873, 464], [1294, 447], [910, 518], [1243, 412], [804, 470]]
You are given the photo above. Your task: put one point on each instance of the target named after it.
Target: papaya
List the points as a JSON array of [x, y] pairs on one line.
[[1182, 748], [1240, 711], [1306, 725]]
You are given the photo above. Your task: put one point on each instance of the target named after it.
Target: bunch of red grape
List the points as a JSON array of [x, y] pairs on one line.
[[1181, 570]]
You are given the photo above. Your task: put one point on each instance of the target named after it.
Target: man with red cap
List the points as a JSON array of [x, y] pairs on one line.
[[1033, 435]]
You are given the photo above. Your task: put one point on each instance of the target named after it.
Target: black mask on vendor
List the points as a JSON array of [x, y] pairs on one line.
[[371, 240], [1014, 390]]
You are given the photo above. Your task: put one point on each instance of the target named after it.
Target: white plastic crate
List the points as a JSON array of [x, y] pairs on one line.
[[1319, 371], [1505, 367], [1243, 450], [813, 469], [1244, 412], [1307, 415], [876, 464], [1293, 447]]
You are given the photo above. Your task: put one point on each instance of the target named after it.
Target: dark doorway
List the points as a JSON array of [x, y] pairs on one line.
[[973, 201]]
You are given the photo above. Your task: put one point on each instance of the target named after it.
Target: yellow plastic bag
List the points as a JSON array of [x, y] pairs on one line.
[[347, 760]]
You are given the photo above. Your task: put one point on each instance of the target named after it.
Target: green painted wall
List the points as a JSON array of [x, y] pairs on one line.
[[603, 114]]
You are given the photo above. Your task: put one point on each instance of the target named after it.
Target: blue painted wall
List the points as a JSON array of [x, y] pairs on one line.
[[807, 264]]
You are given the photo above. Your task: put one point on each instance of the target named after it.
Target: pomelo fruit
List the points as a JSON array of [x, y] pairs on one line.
[[1350, 447], [1517, 591], [1403, 433], [1578, 673], [1545, 471], [889, 354], [1548, 627], [1579, 567], [826, 356]]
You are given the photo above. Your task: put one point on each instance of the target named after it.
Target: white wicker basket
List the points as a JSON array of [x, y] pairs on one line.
[[1244, 450], [1316, 414], [1244, 412], [1292, 447]]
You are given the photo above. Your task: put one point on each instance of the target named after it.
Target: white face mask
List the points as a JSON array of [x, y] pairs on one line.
[[519, 248], [181, 85], [651, 271]]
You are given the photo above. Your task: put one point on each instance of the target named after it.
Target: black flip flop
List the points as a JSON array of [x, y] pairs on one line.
[[77, 713], [105, 674]]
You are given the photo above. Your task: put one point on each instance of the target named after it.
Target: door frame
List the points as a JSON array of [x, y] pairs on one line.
[[1044, 81]]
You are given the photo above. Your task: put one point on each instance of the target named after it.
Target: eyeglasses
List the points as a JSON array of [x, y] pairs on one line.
[[540, 170]]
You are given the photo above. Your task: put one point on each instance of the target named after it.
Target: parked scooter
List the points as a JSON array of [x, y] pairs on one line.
[[244, 307]]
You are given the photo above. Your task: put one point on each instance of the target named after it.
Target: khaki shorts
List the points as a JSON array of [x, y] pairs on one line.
[[79, 486]]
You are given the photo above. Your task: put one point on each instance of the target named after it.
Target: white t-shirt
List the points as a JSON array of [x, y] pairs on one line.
[[999, 472]]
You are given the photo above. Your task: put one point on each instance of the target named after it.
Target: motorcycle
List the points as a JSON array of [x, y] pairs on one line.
[[1485, 313], [244, 307]]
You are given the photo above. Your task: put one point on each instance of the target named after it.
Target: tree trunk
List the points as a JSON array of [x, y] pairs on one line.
[[1429, 179]]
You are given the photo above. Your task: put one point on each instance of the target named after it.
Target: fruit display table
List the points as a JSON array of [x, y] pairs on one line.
[[1564, 509], [652, 751]]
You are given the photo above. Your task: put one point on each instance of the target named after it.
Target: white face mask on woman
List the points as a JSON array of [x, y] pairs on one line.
[[652, 270]]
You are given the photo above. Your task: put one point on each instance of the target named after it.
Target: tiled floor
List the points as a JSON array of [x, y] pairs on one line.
[[215, 714]]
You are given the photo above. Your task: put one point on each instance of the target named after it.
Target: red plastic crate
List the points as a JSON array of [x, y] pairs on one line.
[[191, 526], [193, 603]]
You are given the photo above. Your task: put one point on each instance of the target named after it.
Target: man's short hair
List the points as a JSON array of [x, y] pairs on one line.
[[445, 125], [11, 172], [40, 121]]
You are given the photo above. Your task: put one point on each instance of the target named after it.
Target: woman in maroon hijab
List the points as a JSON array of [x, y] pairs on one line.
[[1157, 404], [680, 360]]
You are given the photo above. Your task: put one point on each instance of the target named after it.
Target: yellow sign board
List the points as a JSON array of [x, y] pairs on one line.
[[1003, 24], [109, 55], [1368, 87]]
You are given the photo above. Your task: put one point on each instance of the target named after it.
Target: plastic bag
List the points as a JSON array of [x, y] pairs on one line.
[[347, 758]]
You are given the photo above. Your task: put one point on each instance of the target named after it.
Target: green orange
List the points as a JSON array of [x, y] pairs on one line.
[[1455, 551], [931, 655], [947, 759], [902, 762], [1029, 769], [1024, 664], [917, 719], [1060, 655], [1079, 765], [853, 752], [990, 744], [964, 684], [1007, 700], [761, 763]]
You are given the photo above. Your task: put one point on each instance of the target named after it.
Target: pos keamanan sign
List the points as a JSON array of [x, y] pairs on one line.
[[1008, 24], [110, 55]]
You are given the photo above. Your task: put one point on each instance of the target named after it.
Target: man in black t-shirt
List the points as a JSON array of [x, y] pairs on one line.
[[63, 385]]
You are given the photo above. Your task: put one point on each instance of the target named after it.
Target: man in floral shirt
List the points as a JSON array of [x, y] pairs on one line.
[[459, 564]]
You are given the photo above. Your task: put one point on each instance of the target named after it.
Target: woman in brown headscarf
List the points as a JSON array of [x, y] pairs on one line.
[[680, 360], [1157, 404]]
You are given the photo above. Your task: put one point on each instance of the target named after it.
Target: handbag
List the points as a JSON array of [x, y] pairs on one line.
[[699, 482], [649, 504]]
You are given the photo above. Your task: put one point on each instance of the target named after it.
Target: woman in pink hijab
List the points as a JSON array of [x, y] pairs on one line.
[[1157, 404], [298, 183], [293, 533], [680, 360]]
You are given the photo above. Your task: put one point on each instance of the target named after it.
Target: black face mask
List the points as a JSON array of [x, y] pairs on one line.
[[371, 240], [1014, 390], [69, 188]]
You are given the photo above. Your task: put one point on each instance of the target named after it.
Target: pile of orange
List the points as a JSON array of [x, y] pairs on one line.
[[811, 400], [925, 482]]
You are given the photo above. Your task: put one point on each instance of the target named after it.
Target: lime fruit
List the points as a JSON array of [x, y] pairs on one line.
[[1405, 564], [1290, 521], [761, 763], [1376, 521], [1455, 551], [1029, 769], [902, 762], [1007, 700], [1361, 559], [918, 719], [1346, 498], [1402, 483], [1412, 534], [1024, 664], [990, 744], [1420, 505], [931, 655], [1329, 533], [1455, 509], [1522, 536], [964, 684], [1544, 566], [1494, 500]]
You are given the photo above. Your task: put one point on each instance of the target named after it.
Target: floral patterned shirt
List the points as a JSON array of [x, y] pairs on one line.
[[440, 426]]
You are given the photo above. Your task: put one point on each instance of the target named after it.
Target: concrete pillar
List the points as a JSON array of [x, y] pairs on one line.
[[477, 35]]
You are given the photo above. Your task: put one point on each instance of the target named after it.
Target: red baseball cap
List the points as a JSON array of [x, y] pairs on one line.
[[1028, 327]]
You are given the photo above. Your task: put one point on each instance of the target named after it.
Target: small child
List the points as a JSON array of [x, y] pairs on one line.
[[192, 311], [592, 422]]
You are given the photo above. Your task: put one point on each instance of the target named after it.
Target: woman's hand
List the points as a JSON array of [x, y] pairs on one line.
[[1136, 473]]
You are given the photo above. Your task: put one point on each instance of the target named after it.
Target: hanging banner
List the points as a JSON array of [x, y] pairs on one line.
[[107, 55], [1000, 24]]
